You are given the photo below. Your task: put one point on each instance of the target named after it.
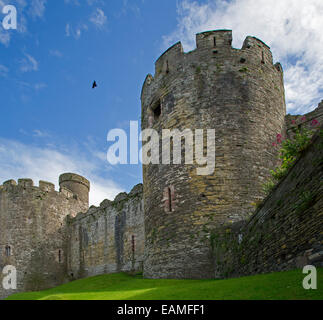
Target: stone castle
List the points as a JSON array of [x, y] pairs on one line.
[[179, 224]]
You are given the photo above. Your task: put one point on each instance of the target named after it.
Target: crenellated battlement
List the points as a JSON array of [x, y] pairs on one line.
[[29, 183], [46, 186], [169, 59], [23, 185], [216, 41], [212, 47], [119, 199], [256, 48], [72, 186], [220, 39]]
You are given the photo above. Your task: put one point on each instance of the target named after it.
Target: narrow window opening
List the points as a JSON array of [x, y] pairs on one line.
[[169, 199], [262, 57], [8, 251], [157, 111], [214, 41], [170, 209], [167, 67], [59, 256], [133, 244]]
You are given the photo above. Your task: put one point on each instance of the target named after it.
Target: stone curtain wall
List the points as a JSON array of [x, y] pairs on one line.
[[109, 238], [296, 121], [32, 224], [286, 232], [240, 94]]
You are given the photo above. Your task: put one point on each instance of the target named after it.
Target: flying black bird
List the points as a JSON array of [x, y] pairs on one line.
[[94, 85]]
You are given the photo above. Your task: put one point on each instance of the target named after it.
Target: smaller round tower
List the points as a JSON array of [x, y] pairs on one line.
[[78, 185], [34, 232]]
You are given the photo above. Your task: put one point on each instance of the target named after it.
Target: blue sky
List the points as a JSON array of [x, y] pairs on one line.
[[51, 119]]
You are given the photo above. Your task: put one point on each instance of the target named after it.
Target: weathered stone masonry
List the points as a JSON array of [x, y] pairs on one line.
[[286, 232], [53, 237], [178, 224], [240, 94], [109, 238], [33, 231]]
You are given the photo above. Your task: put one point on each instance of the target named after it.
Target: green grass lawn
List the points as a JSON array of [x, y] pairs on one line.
[[121, 286]]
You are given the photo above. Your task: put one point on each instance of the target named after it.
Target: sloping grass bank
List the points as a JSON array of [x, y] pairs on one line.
[[121, 286]]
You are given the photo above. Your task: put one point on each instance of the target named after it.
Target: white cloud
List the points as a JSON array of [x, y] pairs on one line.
[[98, 18], [56, 53], [28, 63], [293, 29], [67, 30], [129, 7], [31, 86], [75, 32], [3, 71], [92, 2], [37, 8], [89, 2], [39, 86], [4, 37], [18, 160], [40, 134], [75, 2]]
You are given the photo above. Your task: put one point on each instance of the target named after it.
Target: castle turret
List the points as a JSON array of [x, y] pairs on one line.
[[78, 185], [33, 231], [239, 93]]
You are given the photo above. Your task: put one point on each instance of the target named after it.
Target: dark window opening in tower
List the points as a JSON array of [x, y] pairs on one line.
[[214, 41], [8, 251], [157, 110], [170, 209], [59, 256], [133, 244], [262, 57]]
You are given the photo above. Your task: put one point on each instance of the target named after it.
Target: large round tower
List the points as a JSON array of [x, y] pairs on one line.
[[240, 94]]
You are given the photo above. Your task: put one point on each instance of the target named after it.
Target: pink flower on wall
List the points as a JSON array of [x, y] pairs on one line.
[[293, 121], [279, 138], [303, 119], [314, 123]]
